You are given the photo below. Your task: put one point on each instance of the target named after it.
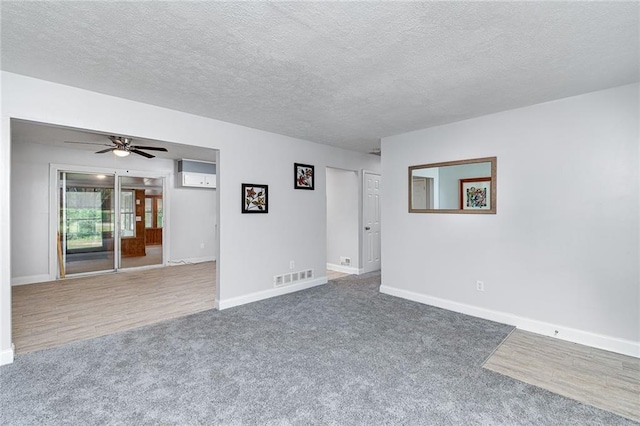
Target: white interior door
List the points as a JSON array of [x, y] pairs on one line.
[[371, 212]]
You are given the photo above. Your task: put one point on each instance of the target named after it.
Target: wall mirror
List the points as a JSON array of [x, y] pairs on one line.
[[465, 186]]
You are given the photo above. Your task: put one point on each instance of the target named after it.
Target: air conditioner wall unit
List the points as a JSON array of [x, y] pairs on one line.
[[196, 174]]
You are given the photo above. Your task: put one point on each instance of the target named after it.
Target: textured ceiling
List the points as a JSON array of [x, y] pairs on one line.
[[340, 73]]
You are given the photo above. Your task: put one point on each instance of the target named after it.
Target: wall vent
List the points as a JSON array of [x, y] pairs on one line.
[[293, 277], [345, 261]]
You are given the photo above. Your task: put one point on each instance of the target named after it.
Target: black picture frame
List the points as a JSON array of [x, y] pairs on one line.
[[304, 176], [255, 198]]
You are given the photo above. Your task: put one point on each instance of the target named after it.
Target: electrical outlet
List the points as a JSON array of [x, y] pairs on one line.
[[292, 264], [479, 286], [201, 245]]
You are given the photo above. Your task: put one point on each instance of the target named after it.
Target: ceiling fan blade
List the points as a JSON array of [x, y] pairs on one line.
[[150, 148], [88, 143], [119, 140], [105, 150], [144, 154]]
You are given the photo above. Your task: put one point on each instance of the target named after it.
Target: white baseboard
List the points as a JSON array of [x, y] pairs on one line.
[[6, 356], [608, 343], [266, 294], [191, 260], [343, 269], [31, 279]]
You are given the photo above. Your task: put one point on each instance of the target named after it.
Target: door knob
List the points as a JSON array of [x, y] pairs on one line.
[[367, 228]]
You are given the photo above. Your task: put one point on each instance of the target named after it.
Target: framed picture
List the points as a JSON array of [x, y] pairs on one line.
[[255, 198], [475, 194], [303, 176]]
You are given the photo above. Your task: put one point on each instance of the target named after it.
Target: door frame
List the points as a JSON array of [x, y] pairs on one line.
[[54, 203]]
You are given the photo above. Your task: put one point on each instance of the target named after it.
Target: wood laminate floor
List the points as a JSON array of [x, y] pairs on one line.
[[600, 378], [332, 275], [54, 313]]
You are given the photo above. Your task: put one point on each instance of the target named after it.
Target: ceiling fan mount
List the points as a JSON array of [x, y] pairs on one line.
[[123, 146]]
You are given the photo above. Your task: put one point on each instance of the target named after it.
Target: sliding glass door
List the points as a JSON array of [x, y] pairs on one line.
[[141, 224], [93, 238], [87, 223]]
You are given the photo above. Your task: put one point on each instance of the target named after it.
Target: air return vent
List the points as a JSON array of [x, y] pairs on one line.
[[292, 277]]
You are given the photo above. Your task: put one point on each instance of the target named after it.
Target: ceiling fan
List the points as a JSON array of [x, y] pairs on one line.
[[121, 146]]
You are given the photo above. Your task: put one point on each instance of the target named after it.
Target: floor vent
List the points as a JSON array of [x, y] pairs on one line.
[[292, 277]]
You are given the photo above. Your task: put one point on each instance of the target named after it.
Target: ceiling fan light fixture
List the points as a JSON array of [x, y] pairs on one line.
[[122, 147]]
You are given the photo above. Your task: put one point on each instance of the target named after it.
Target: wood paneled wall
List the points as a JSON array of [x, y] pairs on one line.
[[135, 246], [153, 236]]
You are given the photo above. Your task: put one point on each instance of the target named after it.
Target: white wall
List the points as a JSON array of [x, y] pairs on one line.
[[342, 218], [252, 248], [192, 212], [562, 251], [193, 222]]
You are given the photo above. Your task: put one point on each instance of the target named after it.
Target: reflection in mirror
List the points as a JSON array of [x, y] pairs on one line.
[[466, 186]]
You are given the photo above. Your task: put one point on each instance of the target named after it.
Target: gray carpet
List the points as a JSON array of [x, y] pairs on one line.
[[336, 354]]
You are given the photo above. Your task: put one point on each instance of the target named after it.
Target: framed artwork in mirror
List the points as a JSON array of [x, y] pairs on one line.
[[475, 194]]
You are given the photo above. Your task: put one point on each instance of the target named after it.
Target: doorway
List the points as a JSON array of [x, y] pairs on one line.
[[343, 218], [93, 238], [353, 221]]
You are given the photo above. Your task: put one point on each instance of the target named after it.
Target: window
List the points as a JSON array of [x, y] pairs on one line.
[[127, 213], [148, 213], [159, 218], [86, 220], [153, 211]]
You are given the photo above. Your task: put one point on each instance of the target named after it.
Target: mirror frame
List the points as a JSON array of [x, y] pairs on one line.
[[494, 178]]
